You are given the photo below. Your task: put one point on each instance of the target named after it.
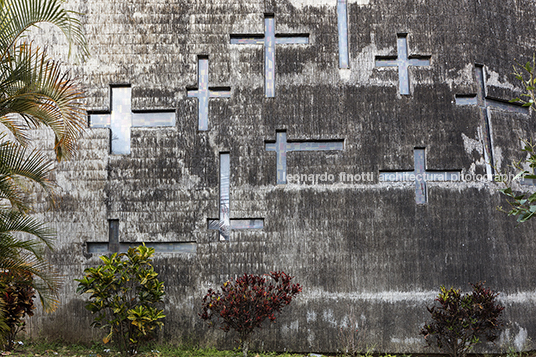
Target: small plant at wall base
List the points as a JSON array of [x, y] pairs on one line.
[[463, 320], [349, 335], [243, 304], [125, 293], [17, 297]]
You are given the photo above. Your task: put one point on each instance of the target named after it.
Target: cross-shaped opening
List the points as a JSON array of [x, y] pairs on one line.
[[483, 102], [281, 146], [403, 61], [120, 119], [269, 39], [342, 27], [203, 92], [225, 224], [420, 175], [114, 245]]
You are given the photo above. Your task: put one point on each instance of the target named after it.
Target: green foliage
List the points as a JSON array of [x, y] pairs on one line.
[[523, 205], [33, 89], [462, 321], [525, 74], [61, 349], [125, 293], [17, 296], [20, 169], [23, 238], [367, 351], [33, 92], [245, 303]]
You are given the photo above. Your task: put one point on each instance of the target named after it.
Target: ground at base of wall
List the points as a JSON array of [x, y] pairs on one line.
[[27, 349], [33, 349]]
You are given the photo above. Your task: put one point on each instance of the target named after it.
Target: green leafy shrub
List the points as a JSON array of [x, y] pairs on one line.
[[125, 293], [462, 321], [523, 205], [243, 304], [17, 294], [527, 75]]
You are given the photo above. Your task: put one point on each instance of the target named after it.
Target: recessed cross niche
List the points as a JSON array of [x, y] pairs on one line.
[[484, 103], [121, 118], [403, 61], [528, 181], [342, 26], [115, 246], [269, 39], [225, 224], [529, 178], [420, 175], [282, 146], [203, 92]]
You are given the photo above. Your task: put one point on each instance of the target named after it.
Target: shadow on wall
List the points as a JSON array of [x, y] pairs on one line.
[[74, 326]]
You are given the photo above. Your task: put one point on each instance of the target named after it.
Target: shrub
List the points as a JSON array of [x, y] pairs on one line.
[[243, 304], [17, 294], [523, 205], [350, 334], [462, 321], [124, 294]]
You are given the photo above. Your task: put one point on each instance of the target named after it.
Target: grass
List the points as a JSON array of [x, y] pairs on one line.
[[59, 349]]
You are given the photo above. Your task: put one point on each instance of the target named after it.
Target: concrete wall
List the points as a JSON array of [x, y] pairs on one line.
[[365, 252]]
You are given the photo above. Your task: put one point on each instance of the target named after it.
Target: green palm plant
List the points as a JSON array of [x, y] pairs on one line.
[[33, 89], [19, 172], [34, 92]]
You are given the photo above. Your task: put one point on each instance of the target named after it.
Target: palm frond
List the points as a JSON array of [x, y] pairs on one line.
[[17, 16], [14, 125], [26, 256], [33, 92], [35, 89], [20, 167], [13, 221], [48, 280]]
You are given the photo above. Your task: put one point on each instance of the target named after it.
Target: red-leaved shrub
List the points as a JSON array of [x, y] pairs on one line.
[[243, 304], [462, 321]]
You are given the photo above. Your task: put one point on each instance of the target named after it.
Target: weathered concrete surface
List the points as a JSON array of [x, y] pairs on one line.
[[364, 252]]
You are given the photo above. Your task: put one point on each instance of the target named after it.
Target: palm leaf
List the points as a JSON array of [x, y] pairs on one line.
[[33, 92], [33, 87], [12, 221], [17, 16], [48, 280], [25, 256], [20, 169]]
